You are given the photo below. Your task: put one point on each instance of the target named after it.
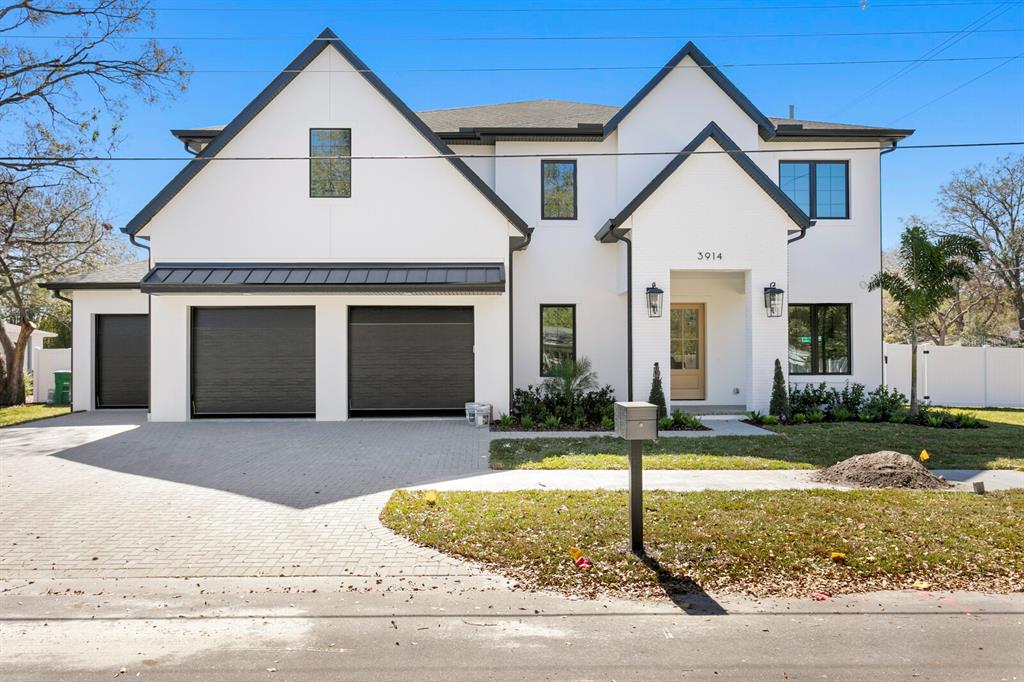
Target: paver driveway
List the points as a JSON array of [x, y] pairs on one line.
[[108, 494]]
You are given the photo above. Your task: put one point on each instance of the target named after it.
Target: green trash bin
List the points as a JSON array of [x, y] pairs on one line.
[[62, 387]]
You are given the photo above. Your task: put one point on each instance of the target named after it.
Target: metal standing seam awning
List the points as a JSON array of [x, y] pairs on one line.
[[354, 278]]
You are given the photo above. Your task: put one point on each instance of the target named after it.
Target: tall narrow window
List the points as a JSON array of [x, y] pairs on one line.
[[819, 339], [558, 190], [820, 188], [557, 336], [330, 176]]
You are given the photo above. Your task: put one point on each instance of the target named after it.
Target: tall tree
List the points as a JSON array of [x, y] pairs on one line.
[[987, 204], [927, 275], [60, 103]]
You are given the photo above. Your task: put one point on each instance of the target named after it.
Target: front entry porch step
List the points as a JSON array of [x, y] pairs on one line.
[[701, 409]]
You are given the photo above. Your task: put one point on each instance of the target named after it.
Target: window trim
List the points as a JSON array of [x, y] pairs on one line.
[[309, 180], [813, 185], [575, 189], [575, 346], [815, 340]]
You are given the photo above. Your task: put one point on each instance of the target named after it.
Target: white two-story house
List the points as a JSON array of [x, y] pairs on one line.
[[378, 261]]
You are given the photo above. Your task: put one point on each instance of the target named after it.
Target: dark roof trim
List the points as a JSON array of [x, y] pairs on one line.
[[325, 39], [280, 278], [765, 127], [715, 133], [583, 132], [71, 286]]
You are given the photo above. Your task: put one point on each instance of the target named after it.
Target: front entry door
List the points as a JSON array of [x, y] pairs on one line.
[[688, 361]]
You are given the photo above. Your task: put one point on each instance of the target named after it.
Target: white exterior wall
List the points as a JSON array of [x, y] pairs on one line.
[[834, 262], [170, 341], [564, 263], [87, 304], [710, 204]]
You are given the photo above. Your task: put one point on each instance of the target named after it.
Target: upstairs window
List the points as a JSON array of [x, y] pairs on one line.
[[820, 188], [330, 177], [558, 190], [819, 338], [557, 336]]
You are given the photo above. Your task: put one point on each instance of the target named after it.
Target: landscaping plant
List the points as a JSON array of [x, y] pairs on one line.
[[780, 399], [657, 396], [570, 396], [929, 273]]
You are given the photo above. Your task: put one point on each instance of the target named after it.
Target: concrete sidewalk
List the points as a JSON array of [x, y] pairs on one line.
[[691, 480]]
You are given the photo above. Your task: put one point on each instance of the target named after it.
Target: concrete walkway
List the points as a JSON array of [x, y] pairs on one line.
[[684, 481]]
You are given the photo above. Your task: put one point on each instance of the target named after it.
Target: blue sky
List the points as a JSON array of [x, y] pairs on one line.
[[404, 34]]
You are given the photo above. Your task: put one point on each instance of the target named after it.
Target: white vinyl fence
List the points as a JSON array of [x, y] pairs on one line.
[[955, 375], [48, 361]]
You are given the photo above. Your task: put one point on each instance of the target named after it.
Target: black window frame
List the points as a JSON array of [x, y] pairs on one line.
[[309, 182], [813, 185], [575, 346], [575, 189], [815, 341]]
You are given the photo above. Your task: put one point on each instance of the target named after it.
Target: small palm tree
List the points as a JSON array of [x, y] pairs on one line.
[[928, 275], [570, 378]]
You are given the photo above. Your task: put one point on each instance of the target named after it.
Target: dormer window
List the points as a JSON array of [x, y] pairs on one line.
[[330, 176], [820, 188], [558, 190]]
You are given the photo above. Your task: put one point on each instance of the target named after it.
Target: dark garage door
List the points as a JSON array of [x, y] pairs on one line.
[[253, 362], [122, 361], [410, 359]]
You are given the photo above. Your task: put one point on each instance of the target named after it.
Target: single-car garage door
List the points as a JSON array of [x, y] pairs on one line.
[[410, 359], [122, 361], [253, 361]]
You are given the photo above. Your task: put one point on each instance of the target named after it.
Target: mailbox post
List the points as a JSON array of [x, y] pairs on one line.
[[636, 422]]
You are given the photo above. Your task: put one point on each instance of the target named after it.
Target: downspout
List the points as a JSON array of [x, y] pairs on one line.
[[515, 244], [618, 234], [134, 240]]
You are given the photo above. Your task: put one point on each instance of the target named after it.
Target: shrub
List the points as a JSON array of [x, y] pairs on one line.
[[851, 398], [552, 422], [798, 418], [684, 420], [934, 420], [780, 399], [841, 414], [815, 416], [808, 397], [884, 403], [657, 396], [607, 423], [506, 420], [755, 417], [563, 398], [899, 416], [568, 380], [665, 423], [769, 420], [526, 421], [869, 416], [968, 421]]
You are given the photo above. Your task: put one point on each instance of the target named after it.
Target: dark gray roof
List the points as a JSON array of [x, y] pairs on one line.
[[473, 278], [327, 39], [120, 276], [714, 132], [537, 113]]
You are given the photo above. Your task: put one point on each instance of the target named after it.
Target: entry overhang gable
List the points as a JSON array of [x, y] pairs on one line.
[[339, 278], [607, 233]]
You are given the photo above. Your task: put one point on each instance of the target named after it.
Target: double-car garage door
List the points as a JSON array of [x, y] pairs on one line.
[[261, 361]]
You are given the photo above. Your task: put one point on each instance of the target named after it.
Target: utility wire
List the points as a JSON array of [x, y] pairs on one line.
[[411, 157], [971, 28], [498, 69], [959, 87], [515, 38]]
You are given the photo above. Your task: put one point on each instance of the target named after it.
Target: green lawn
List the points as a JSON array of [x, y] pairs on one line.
[[809, 446], [19, 414], [759, 543]]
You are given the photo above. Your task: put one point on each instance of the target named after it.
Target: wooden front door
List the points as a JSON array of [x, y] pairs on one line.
[[688, 360]]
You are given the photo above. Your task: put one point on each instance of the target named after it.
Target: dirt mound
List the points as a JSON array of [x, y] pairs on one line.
[[886, 469]]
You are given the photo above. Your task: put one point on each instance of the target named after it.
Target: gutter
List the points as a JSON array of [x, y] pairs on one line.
[[514, 244], [607, 234], [134, 240], [803, 232]]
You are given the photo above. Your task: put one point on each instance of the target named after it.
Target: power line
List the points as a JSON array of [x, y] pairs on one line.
[[518, 38], [959, 87], [417, 157], [419, 9], [972, 27], [498, 69]]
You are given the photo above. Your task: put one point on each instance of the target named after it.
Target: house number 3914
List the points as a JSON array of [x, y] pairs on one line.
[[709, 255]]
